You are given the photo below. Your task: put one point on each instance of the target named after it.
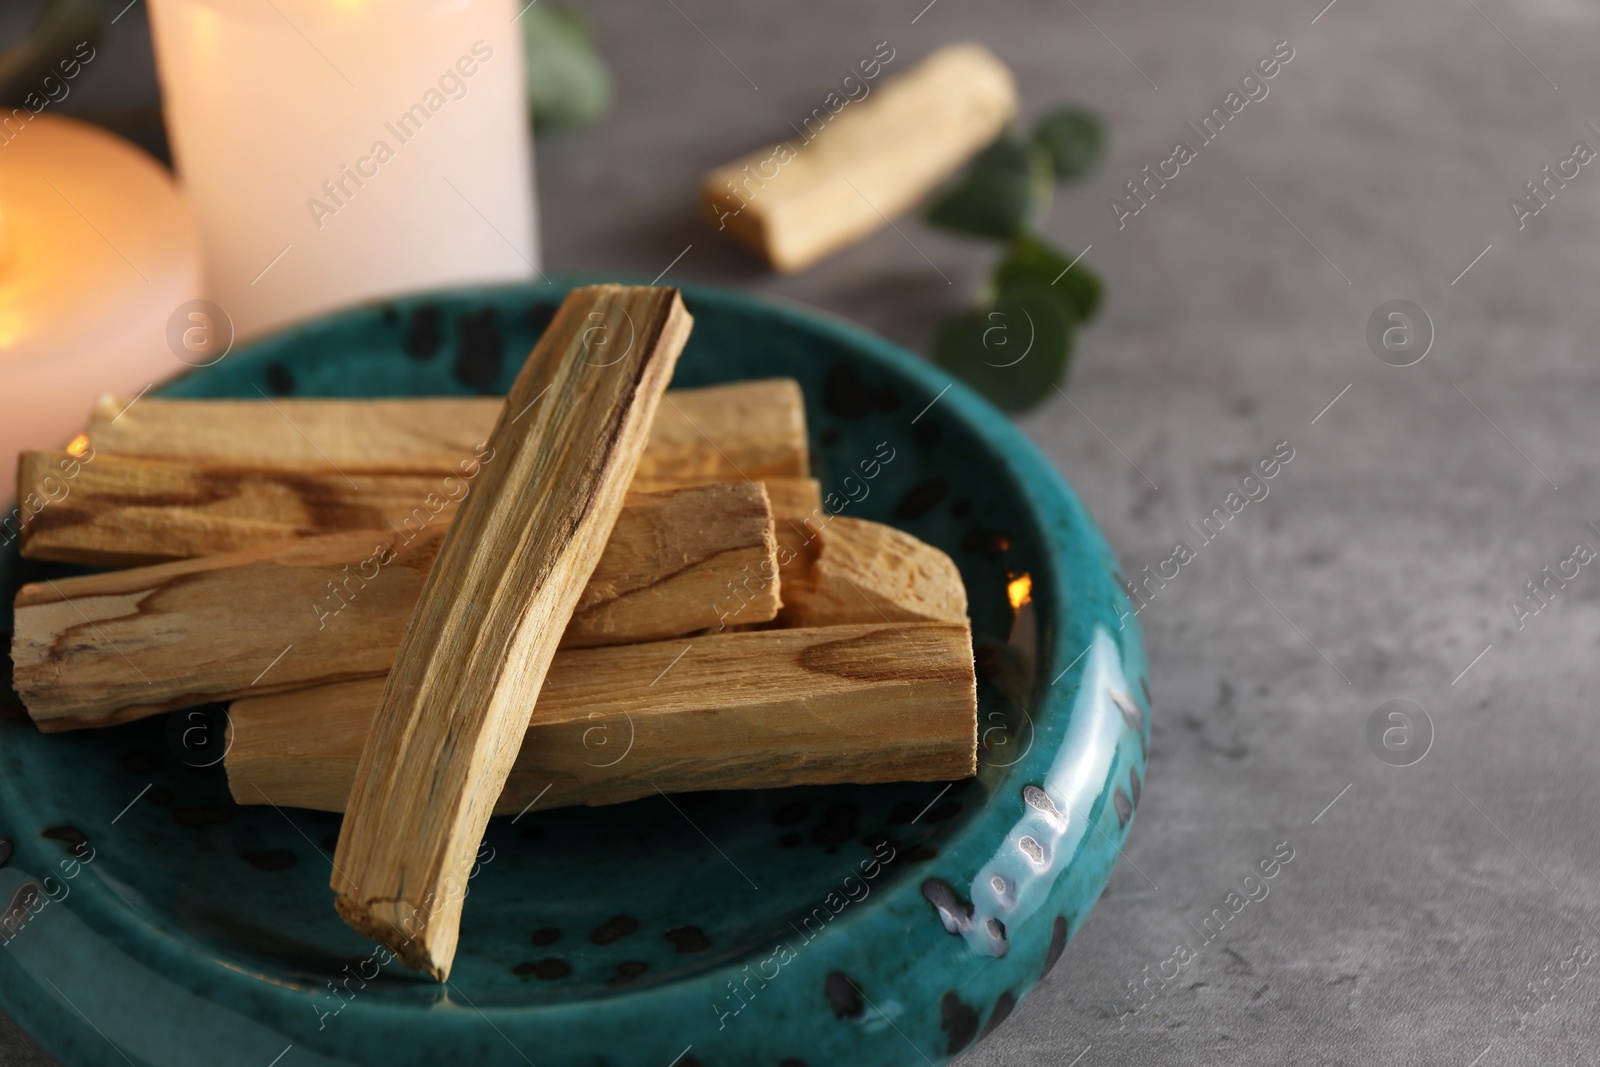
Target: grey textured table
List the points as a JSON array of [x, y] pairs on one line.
[[1421, 900]]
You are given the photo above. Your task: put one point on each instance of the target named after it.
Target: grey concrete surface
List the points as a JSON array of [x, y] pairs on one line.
[[1420, 904]]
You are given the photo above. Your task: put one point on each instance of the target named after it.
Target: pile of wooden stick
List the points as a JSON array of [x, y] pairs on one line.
[[425, 611]]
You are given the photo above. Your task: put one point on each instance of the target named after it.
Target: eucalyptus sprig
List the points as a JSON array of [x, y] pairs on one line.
[[568, 83], [1017, 343]]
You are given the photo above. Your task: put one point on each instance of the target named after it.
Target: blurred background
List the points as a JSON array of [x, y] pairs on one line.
[[1436, 888]]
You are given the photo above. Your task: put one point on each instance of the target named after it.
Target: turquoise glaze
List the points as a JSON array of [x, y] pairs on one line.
[[891, 924]]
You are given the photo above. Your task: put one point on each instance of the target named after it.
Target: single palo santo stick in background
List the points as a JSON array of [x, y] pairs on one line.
[[509, 575], [120, 511], [758, 710], [720, 432], [794, 203], [106, 648]]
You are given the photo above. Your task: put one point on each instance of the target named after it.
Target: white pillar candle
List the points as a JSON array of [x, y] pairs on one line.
[[97, 252], [339, 150]]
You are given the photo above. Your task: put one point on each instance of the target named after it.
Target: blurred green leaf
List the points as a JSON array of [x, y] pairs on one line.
[[1013, 352], [567, 81], [1006, 186], [1031, 258], [1074, 138]]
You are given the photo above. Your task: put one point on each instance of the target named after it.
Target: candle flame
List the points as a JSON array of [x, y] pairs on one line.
[[1020, 590], [79, 445]]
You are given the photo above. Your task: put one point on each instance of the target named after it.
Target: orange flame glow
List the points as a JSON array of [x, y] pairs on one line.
[[79, 445], [1020, 590]]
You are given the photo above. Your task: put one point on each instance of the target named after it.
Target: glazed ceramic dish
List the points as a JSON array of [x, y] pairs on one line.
[[890, 924]]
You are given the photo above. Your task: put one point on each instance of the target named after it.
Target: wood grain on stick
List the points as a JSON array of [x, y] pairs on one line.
[[101, 649], [508, 577], [125, 511], [848, 174], [720, 432], [758, 710]]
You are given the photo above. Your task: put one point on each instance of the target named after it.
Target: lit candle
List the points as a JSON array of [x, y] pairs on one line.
[[339, 150], [98, 251]]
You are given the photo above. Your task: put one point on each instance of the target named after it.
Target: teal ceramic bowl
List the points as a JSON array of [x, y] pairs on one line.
[[151, 921]]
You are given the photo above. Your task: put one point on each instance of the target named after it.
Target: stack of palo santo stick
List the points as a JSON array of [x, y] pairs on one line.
[[425, 611]]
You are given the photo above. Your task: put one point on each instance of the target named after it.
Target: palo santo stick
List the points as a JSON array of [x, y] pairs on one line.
[[509, 575], [718, 433], [120, 511], [794, 203], [758, 710], [852, 570], [107, 648]]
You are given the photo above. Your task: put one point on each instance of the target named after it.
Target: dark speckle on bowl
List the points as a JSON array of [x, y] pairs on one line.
[[280, 382], [538, 317], [5, 851], [828, 438], [1003, 1005], [548, 969], [955, 912], [614, 929], [546, 935], [269, 859], [423, 336], [958, 1021], [961, 507], [76, 841], [844, 394], [948, 810], [1123, 805], [688, 939], [843, 996], [921, 499], [926, 433], [838, 825], [480, 351], [627, 972], [1058, 945], [160, 797]]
